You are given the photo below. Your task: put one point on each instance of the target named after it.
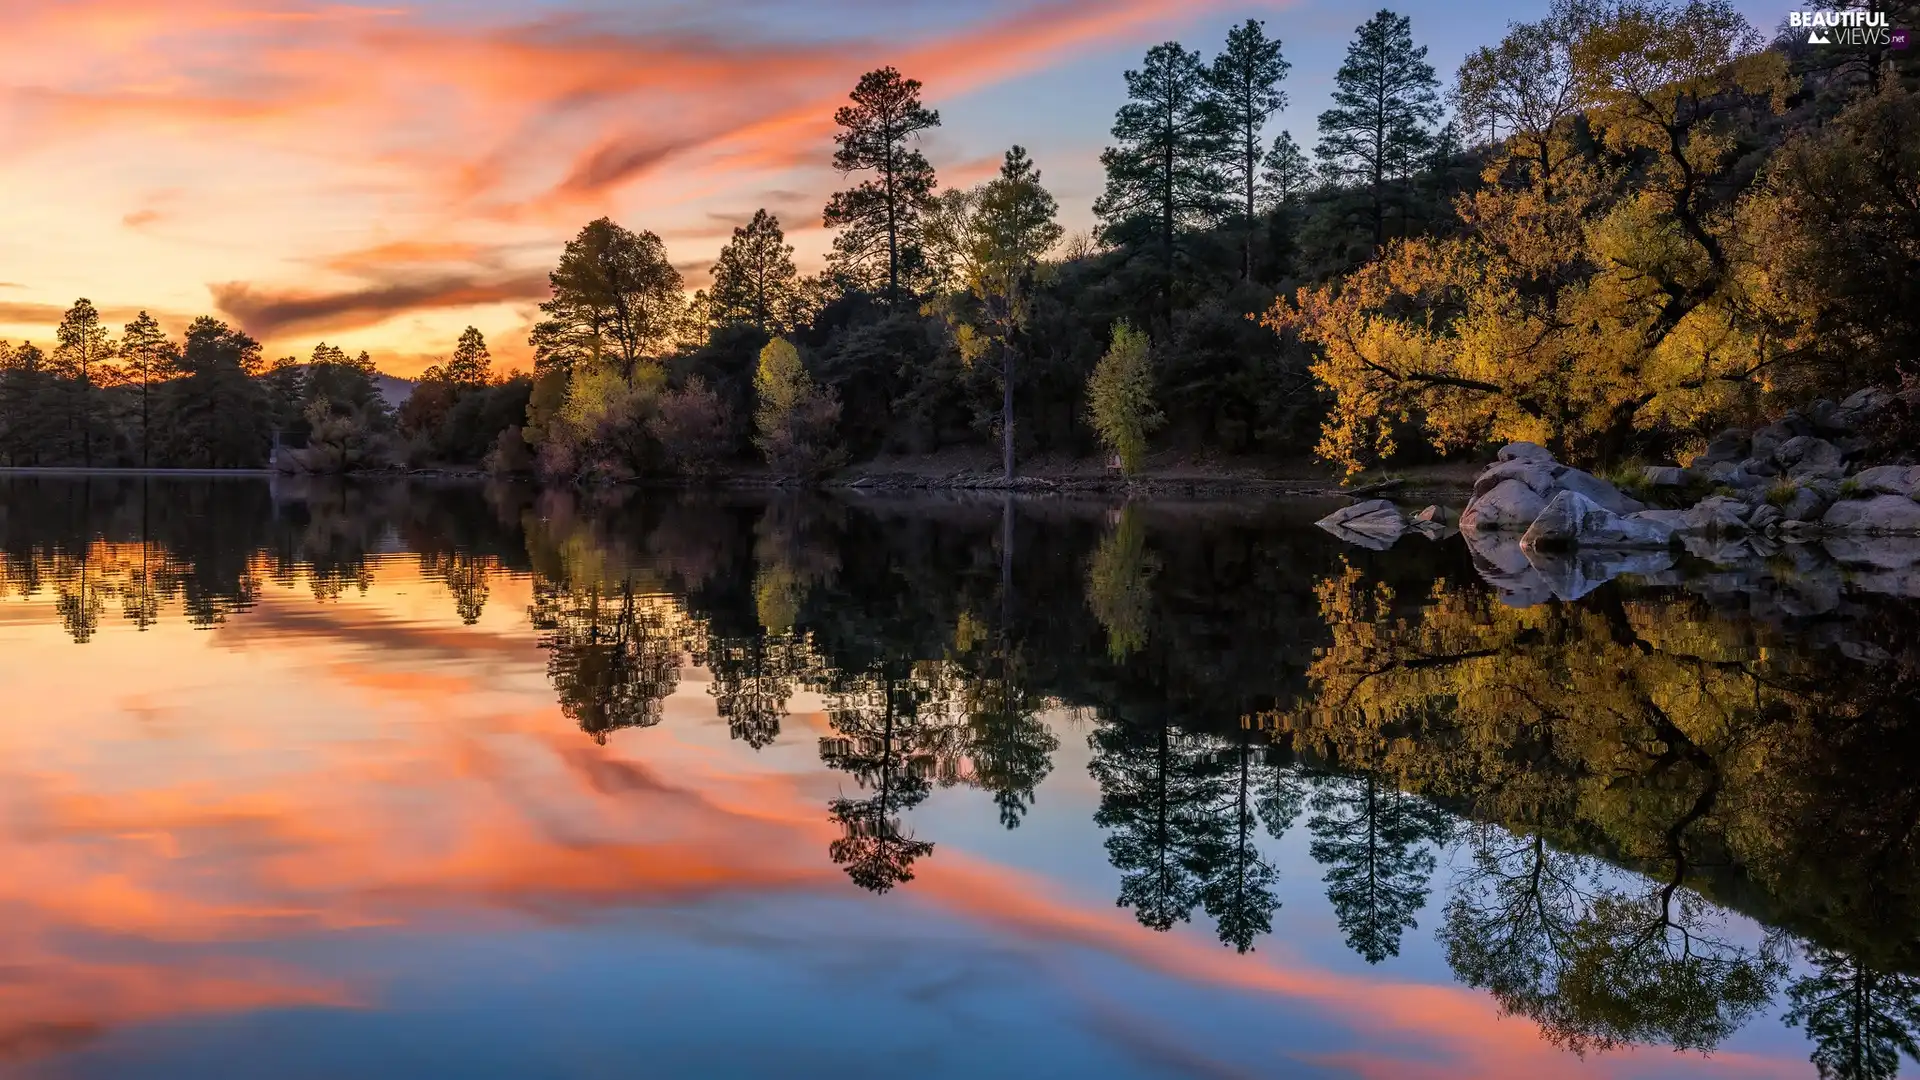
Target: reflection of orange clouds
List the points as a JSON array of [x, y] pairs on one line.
[[389, 778]]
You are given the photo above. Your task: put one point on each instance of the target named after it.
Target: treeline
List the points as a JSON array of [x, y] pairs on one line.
[[1620, 228]]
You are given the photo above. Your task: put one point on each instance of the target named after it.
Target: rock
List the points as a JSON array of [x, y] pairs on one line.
[[1805, 448], [1734, 475], [1719, 550], [1797, 531], [1524, 451], [1571, 519], [1768, 440], [1535, 474], [1374, 524], [1817, 470], [1880, 515], [1853, 446], [1716, 515], [1597, 490], [1667, 476], [1887, 479], [1764, 517], [1433, 515], [1730, 445], [1761, 466], [1822, 413], [1669, 519], [1861, 406], [1509, 505]]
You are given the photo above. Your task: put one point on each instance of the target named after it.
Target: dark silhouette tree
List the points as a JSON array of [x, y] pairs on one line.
[[890, 735], [1157, 786], [1239, 881], [1285, 174], [1860, 1020], [1243, 90], [1163, 175], [754, 281], [616, 300], [1386, 99], [215, 416], [1376, 843], [149, 357], [471, 365], [610, 656], [879, 218], [82, 346]]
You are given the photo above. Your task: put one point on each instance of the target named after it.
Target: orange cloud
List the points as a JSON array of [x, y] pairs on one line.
[[267, 313]]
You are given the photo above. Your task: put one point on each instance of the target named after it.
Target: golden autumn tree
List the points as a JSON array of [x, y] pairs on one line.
[[1593, 292]]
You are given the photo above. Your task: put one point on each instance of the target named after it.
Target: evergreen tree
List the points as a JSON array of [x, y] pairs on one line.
[[879, 218], [1243, 89], [1154, 788], [472, 365], [27, 418], [1374, 841], [1285, 174], [889, 735], [1386, 99], [1163, 176], [754, 281], [149, 356], [215, 416], [1860, 1020], [83, 345]]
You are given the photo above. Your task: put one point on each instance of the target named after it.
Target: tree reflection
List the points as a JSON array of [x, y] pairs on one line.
[[892, 736], [1377, 845], [1860, 1020], [611, 656]]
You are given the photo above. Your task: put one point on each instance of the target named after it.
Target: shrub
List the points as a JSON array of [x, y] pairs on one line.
[[794, 420], [692, 427], [1120, 402]]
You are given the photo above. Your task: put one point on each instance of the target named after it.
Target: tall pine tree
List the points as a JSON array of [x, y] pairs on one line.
[[1243, 88], [149, 356], [754, 281], [83, 345], [878, 218], [1386, 100], [1163, 176]]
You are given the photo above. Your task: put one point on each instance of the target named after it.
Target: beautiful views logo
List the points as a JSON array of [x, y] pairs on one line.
[[1845, 27]]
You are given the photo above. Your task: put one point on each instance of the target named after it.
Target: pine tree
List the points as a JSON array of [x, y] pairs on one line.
[[83, 345], [1386, 100], [1243, 89], [754, 280], [149, 356], [879, 218], [472, 365], [1285, 175], [616, 299], [1163, 177]]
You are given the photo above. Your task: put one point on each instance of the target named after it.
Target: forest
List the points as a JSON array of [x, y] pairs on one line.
[[1614, 231]]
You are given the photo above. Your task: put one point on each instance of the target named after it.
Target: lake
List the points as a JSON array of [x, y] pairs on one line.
[[397, 781]]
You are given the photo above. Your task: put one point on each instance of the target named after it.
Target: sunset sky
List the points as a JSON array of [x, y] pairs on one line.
[[381, 175]]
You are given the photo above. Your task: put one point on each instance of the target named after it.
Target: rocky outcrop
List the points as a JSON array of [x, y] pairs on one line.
[[1374, 524], [1571, 520], [1880, 515], [1509, 494]]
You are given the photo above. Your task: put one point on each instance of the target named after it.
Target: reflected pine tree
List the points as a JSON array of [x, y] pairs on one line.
[[1157, 787], [1239, 882], [752, 677], [1008, 747], [467, 577], [893, 734], [1376, 842], [1860, 1020]]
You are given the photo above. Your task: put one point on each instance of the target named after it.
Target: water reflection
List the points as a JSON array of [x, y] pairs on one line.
[[1589, 804]]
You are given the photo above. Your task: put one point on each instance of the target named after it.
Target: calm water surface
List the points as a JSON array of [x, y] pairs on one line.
[[383, 781]]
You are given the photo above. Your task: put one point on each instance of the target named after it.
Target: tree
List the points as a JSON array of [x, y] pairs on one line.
[[1120, 398], [610, 655], [616, 300], [1386, 98], [692, 426], [83, 344], [1243, 91], [1162, 177], [754, 280], [889, 734], [149, 356], [1860, 1020], [995, 235], [1120, 584], [471, 365], [879, 218], [215, 416], [1285, 174], [1374, 841], [27, 415], [1155, 786], [794, 419]]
